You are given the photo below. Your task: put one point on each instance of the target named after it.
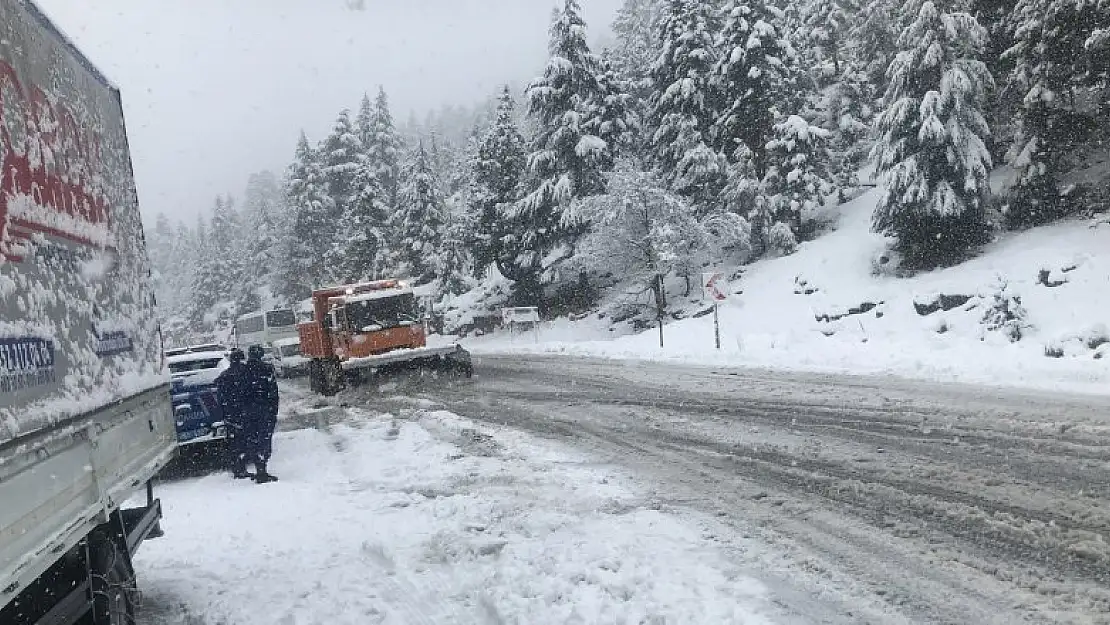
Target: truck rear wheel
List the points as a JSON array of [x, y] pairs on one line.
[[112, 583], [333, 377], [316, 376]]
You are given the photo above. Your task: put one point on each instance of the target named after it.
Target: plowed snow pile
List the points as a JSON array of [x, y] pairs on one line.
[[827, 308]]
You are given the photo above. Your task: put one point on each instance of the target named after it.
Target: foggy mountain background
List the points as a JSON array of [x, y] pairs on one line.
[[216, 90]]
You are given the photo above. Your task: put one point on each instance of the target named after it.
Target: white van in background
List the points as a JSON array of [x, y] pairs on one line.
[[264, 328], [287, 359]]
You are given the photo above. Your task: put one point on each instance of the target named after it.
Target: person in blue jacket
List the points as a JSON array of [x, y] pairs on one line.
[[260, 410], [231, 392]]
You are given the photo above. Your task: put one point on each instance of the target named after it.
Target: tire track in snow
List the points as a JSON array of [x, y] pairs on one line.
[[938, 531], [419, 608]]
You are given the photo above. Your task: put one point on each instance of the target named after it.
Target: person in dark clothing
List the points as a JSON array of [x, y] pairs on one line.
[[260, 409], [231, 391]]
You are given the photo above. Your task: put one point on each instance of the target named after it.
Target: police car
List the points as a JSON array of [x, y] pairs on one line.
[[196, 405]]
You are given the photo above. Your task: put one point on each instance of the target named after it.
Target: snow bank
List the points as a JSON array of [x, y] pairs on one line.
[[433, 521], [825, 309]]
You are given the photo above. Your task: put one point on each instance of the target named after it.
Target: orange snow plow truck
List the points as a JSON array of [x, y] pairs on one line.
[[361, 331]]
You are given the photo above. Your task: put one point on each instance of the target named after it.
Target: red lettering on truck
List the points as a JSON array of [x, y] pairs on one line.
[[48, 169]]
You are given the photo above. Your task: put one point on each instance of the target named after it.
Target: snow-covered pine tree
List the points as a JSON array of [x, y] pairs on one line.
[[848, 115], [845, 100], [454, 267], [439, 159], [160, 248], [682, 114], [184, 254], [566, 161], [421, 219], [311, 232], [460, 173], [363, 228], [633, 56], [198, 245], [827, 23], [364, 123], [230, 245], [1049, 58], [263, 228], [566, 103], [384, 149], [341, 156], [873, 40], [797, 179], [996, 17], [756, 78], [498, 171], [931, 146], [200, 238], [743, 192], [613, 117], [219, 273], [637, 46], [205, 286]]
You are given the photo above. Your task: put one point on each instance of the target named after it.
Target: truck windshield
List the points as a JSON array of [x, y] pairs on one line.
[[280, 318], [389, 312], [291, 350]]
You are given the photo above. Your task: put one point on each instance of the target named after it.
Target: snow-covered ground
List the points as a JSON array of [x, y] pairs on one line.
[[424, 517], [825, 309]]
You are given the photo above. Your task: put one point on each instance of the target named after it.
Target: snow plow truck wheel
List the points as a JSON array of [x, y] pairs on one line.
[[354, 378], [334, 378], [112, 583], [315, 377]]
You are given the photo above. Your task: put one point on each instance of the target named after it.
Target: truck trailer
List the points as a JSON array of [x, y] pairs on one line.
[[85, 415]]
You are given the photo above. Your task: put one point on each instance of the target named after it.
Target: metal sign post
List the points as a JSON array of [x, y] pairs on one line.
[[715, 287], [717, 324], [658, 286]]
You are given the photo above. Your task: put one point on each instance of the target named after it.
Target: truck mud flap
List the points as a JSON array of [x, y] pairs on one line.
[[141, 524]]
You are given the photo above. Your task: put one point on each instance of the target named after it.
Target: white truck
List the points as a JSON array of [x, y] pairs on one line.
[[85, 415]]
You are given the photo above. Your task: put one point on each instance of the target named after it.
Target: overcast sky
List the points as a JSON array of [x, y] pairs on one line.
[[216, 89]]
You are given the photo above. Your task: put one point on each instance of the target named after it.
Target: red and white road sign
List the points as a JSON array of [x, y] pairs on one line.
[[714, 286]]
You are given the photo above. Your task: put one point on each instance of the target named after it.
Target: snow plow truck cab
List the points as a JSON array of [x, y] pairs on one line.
[[360, 331]]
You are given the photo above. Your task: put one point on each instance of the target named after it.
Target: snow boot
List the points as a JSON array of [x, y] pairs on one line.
[[239, 471], [263, 477]]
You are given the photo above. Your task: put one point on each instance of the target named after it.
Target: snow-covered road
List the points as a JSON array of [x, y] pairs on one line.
[[885, 500], [594, 491], [417, 516]]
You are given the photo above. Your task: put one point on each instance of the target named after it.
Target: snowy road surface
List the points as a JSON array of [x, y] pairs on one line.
[[587, 491], [888, 501], [418, 517]]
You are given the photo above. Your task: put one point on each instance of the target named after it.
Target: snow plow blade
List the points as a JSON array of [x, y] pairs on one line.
[[448, 355], [330, 377]]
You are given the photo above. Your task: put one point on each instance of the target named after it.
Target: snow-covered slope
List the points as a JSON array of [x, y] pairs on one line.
[[824, 308]]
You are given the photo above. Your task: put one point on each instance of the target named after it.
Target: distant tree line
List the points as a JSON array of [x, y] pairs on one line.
[[711, 129]]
